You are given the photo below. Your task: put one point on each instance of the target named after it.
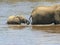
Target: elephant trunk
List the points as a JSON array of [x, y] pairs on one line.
[[30, 17], [27, 22]]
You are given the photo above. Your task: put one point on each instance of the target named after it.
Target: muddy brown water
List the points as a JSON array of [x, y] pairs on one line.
[[26, 34]]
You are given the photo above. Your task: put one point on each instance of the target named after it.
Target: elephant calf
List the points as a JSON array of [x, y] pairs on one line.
[[17, 20]]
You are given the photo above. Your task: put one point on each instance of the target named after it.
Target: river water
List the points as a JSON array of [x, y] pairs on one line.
[[26, 35]]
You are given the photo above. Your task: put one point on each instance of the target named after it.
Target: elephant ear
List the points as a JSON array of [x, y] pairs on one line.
[[57, 14], [56, 6], [57, 11]]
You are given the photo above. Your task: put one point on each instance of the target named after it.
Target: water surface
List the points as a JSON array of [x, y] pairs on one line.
[[26, 35]]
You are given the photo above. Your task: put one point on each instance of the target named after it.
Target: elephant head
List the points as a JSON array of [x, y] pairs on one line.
[[23, 19]]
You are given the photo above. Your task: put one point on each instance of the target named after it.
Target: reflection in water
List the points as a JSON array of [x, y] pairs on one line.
[[49, 29], [15, 27]]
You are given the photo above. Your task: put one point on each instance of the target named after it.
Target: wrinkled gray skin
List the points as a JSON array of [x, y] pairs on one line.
[[46, 15], [17, 20]]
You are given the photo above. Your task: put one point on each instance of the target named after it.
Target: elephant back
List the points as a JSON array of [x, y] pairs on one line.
[[13, 20]]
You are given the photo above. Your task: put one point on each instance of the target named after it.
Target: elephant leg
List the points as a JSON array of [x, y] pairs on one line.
[[15, 23], [34, 23]]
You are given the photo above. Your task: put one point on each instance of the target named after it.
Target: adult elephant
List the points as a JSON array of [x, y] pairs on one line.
[[44, 15], [17, 20]]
